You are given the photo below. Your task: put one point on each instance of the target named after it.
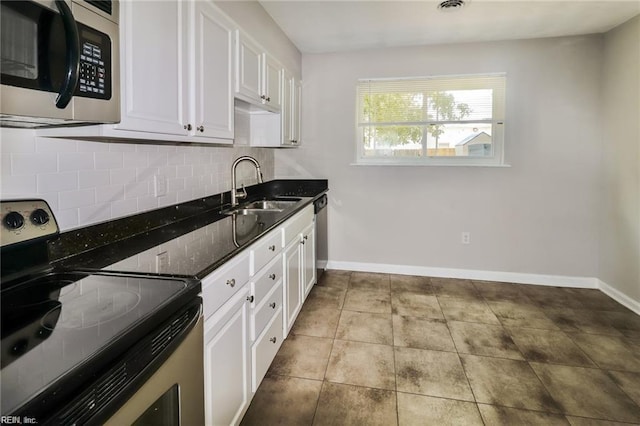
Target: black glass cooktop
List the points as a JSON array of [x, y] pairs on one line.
[[56, 325]]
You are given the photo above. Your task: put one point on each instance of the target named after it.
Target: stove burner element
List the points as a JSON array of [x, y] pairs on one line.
[[95, 307]]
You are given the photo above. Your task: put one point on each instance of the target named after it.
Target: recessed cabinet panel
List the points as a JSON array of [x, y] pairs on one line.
[[249, 68], [272, 82], [293, 283], [153, 70], [309, 258], [227, 363], [213, 82]]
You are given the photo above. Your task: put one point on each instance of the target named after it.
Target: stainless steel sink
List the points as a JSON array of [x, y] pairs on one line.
[[274, 205]]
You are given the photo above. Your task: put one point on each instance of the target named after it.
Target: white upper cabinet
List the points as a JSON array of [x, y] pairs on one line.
[[177, 70], [258, 75], [153, 71], [212, 84]]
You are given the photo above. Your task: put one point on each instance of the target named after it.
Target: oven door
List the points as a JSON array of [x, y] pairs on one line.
[[174, 394]]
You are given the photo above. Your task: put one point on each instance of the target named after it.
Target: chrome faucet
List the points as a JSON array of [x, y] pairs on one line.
[[235, 194]]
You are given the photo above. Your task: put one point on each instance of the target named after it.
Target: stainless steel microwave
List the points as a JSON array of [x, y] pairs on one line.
[[60, 63]]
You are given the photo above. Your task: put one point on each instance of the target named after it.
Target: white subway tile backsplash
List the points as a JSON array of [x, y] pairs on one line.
[[75, 199], [124, 207], [92, 146], [18, 186], [86, 182], [67, 218], [56, 145], [75, 161], [108, 160], [122, 176], [55, 182], [17, 141], [93, 178], [95, 213], [184, 171], [136, 189], [32, 164], [147, 203], [135, 160], [109, 193]]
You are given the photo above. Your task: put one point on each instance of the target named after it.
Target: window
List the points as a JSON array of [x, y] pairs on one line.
[[451, 120]]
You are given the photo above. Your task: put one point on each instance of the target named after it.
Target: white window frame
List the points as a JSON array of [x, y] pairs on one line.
[[497, 125]]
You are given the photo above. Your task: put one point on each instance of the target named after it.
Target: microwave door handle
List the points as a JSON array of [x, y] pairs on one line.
[[72, 58]]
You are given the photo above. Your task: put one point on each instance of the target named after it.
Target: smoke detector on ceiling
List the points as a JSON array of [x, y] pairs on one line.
[[451, 5]]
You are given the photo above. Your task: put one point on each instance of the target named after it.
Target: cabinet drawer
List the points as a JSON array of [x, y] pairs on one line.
[[265, 250], [263, 282], [218, 287], [265, 349], [294, 226], [264, 311]]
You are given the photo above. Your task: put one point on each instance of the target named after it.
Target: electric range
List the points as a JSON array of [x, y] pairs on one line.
[[75, 344]]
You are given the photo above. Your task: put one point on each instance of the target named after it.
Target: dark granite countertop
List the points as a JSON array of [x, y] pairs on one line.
[[196, 236]]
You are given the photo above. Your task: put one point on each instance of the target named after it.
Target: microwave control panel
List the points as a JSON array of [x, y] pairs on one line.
[[95, 64]]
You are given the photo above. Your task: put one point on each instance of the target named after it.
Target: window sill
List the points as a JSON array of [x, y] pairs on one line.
[[416, 164]]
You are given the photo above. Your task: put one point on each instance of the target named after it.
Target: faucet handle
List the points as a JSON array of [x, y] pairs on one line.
[[243, 192]]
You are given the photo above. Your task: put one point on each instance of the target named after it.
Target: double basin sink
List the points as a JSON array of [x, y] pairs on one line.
[[275, 205]]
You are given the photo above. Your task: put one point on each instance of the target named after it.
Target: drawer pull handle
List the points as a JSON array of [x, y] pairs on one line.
[[273, 305], [272, 248], [273, 340], [272, 276], [231, 282], [250, 299]]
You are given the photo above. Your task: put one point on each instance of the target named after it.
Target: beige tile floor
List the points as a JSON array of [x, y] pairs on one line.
[[379, 349]]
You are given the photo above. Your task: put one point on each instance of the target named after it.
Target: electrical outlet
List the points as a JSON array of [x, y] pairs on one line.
[[159, 185], [466, 238], [162, 262]]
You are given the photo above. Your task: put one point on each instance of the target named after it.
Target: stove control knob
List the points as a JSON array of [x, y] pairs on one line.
[[39, 217], [13, 220]]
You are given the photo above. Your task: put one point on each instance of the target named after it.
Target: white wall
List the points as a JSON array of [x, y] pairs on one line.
[[620, 225], [540, 216], [89, 182]]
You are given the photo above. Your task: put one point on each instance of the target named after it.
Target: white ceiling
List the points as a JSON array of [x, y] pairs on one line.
[[333, 26]]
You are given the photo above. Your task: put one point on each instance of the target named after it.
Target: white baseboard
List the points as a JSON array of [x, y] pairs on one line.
[[321, 264], [472, 274], [619, 297]]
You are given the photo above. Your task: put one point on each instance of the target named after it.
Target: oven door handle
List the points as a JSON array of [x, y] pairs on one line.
[[72, 57]]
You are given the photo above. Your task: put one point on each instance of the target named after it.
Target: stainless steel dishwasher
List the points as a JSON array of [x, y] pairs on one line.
[[322, 249]]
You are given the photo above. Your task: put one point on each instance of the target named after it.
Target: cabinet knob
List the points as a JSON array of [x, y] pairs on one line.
[[200, 129], [305, 237], [231, 282], [273, 340], [302, 242], [272, 248], [263, 97], [250, 299], [273, 305], [187, 127], [272, 276], [269, 99]]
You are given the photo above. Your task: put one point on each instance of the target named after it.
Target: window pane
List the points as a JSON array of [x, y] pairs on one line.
[[392, 141], [460, 140]]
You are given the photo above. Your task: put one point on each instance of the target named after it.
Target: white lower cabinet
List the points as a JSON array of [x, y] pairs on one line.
[[309, 273], [227, 362], [293, 283], [250, 304]]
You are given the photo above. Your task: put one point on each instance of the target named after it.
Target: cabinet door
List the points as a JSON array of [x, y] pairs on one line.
[[212, 83], [309, 258], [272, 83], [227, 362], [154, 66], [249, 68], [292, 283], [287, 104], [296, 112]]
